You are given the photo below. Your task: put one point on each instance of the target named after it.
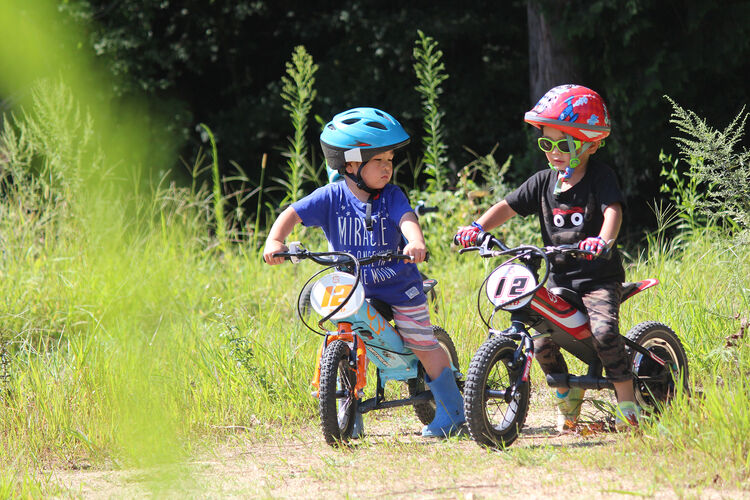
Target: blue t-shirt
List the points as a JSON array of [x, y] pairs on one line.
[[336, 210]]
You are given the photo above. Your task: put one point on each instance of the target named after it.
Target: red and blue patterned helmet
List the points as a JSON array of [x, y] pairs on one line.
[[574, 109]]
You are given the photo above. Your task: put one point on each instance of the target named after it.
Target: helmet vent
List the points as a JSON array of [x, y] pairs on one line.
[[331, 127], [376, 125], [350, 121], [379, 114]]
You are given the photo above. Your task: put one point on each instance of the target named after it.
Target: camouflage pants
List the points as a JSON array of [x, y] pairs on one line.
[[603, 306]]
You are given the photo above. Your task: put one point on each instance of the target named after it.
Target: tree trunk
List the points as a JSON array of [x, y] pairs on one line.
[[551, 60]]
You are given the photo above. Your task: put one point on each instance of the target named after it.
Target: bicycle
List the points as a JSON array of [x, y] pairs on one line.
[[497, 386], [363, 333]]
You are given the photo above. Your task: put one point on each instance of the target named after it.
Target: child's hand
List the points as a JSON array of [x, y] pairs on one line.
[[467, 235], [595, 244], [272, 247], [416, 250]]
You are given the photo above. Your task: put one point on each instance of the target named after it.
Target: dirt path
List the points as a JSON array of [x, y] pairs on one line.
[[393, 461]]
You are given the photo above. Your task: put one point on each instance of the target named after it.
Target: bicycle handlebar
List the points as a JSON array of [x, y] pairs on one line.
[[350, 263], [420, 209], [486, 243], [343, 258]]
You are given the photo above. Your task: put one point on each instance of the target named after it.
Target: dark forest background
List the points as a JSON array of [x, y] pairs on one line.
[[220, 62]]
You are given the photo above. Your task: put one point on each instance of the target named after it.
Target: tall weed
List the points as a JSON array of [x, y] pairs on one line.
[[218, 199], [430, 71], [715, 163], [299, 93], [684, 191]]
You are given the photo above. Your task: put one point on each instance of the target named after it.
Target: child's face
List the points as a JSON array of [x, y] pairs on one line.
[[561, 160], [377, 172]]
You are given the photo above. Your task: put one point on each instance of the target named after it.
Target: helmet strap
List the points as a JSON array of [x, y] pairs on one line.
[[575, 160], [360, 182], [368, 213]]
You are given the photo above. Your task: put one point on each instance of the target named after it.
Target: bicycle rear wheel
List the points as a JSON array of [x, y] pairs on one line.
[[426, 411], [655, 384]]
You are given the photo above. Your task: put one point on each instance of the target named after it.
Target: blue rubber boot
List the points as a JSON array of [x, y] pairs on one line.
[[449, 411]]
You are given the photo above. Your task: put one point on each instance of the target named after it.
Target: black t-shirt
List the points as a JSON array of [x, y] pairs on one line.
[[570, 217]]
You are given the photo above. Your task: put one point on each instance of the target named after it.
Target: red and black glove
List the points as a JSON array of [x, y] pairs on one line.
[[592, 244], [467, 235]]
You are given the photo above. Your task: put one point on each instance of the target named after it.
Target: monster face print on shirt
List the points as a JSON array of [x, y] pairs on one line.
[[566, 222]]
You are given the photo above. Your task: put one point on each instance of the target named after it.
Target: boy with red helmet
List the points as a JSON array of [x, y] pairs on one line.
[[365, 214], [577, 201]]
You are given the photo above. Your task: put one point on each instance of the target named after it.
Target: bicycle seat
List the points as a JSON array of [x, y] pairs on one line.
[[570, 296], [383, 308], [628, 289]]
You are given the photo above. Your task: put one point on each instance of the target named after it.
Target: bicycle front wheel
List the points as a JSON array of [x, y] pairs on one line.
[[337, 393], [494, 413]]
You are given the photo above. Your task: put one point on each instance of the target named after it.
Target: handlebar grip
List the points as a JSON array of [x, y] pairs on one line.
[[575, 252], [408, 257], [481, 238], [294, 257], [422, 209]]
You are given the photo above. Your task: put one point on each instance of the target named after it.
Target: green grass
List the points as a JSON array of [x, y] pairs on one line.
[[140, 344], [138, 348]]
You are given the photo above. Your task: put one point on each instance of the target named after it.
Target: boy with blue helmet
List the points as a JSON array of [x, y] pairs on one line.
[[577, 201], [366, 214]]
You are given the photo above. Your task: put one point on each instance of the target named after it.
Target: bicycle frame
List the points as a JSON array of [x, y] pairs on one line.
[[497, 390], [338, 297], [380, 343], [554, 315]]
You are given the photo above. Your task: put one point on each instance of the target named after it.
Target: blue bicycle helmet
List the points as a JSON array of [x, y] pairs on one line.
[[359, 134]]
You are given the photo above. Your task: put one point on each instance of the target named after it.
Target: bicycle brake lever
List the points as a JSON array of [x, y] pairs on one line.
[[294, 248]]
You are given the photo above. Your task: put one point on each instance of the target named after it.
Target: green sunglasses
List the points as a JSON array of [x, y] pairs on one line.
[[547, 145]]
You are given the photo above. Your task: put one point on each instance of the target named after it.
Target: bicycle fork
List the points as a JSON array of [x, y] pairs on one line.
[[522, 357]]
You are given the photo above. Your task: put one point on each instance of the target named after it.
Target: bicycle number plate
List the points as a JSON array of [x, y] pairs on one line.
[[510, 281], [331, 290]]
